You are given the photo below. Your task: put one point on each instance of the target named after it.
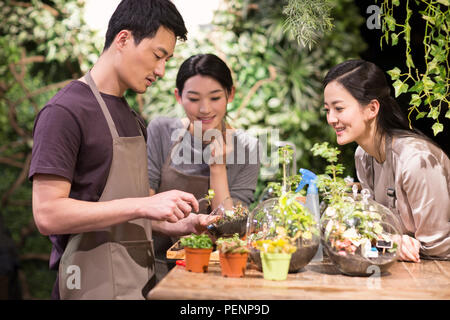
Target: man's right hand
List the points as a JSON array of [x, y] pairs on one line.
[[170, 206]]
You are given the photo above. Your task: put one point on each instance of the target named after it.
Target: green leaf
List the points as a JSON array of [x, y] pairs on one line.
[[437, 127], [415, 100], [417, 87], [441, 40], [444, 2], [433, 66], [442, 71], [434, 113], [431, 20], [409, 61], [394, 73], [439, 91], [394, 38], [390, 21], [399, 87], [396, 2], [447, 114], [420, 115], [428, 84]]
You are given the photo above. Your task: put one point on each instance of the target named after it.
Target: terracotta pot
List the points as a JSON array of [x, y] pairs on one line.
[[197, 260], [233, 265]]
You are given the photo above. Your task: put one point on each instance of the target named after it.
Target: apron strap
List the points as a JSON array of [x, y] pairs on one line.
[[172, 149], [139, 122], [101, 102]]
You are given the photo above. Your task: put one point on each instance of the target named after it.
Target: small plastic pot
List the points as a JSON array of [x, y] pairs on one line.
[[197, 260], [233, 265], [275, 266]]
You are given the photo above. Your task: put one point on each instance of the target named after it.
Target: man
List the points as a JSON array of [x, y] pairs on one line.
[[89, 169]]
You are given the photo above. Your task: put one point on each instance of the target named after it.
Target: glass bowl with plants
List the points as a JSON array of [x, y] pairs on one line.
[[359, 235], [233, 254], [197, 249], [275, 255], [287, 217], [231, 217], [284, 217]]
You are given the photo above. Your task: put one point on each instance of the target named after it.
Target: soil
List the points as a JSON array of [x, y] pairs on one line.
[[356, 265], [228, 229]]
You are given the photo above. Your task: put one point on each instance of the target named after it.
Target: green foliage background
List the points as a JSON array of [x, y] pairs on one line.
[[46, 43]]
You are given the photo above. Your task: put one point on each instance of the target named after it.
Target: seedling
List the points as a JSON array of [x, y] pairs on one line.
[[201, 241]]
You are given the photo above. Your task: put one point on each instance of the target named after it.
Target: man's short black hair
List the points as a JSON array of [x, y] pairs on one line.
[[143, 18]]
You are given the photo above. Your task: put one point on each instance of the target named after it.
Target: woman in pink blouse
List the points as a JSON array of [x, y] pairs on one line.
[[403, 169]]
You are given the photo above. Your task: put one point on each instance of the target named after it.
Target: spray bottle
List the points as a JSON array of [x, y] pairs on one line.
[[312, 201]]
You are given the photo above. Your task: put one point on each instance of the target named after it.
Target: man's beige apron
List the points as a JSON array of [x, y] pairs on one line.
[[116, 262], [173, 179]]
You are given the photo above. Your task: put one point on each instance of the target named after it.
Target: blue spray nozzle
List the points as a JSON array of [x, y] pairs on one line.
[[308, 178]]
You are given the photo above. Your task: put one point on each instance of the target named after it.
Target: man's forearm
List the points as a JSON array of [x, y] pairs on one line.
[[68, 216], [55, 213]]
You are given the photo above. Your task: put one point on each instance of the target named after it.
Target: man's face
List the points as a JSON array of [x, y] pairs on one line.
[[140, 65]]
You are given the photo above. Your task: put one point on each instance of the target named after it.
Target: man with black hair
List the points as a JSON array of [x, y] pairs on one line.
[[89, 164]]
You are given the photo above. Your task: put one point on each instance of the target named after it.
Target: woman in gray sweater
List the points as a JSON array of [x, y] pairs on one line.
[[201, 151]]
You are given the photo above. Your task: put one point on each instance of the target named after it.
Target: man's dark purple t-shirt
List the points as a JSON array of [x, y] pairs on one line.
[[71, 139]]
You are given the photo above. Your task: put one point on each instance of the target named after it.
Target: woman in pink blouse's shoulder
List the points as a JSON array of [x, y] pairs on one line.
[[403, 169]]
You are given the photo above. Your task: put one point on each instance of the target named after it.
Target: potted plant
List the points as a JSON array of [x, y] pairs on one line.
[[275, 256], [197, 250], [285, 214], [233, 253], [357, 233]]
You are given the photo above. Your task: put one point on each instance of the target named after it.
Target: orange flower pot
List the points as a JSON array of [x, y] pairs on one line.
[[233, 265], [197, 260]]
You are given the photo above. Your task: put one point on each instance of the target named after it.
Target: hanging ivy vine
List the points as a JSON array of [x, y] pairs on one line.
[[430, 89]]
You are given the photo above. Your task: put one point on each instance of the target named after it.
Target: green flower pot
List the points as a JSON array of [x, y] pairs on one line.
[[275, 265]]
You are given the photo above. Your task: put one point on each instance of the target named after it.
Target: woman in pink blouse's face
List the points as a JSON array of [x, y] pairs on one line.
[[350, 120]]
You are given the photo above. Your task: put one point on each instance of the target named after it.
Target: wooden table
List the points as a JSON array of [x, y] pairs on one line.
[[318, 280]]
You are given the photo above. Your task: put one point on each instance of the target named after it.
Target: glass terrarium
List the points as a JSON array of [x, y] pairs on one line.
[[284, 217], [360, 236], [231, 219]]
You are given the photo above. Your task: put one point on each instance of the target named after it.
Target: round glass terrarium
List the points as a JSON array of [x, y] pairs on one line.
[[231, 219], [284, 217], [360, 236]]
